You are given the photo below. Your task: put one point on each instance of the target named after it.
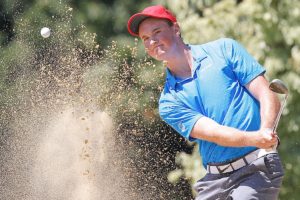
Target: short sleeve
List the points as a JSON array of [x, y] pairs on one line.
[[178, 116], [244, 66]]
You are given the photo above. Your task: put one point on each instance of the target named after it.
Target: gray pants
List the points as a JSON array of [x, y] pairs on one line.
[[259, 180]]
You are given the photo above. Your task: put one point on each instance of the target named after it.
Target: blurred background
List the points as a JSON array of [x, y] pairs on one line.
[[88, 95]]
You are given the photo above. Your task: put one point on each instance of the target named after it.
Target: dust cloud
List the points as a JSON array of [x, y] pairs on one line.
[[59, 137], [79, 123], [74, 158]]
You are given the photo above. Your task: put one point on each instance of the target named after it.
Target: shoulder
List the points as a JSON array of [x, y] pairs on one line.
[[221, 43], [216, 48], [225, 47], [166, 103], [165, 96]]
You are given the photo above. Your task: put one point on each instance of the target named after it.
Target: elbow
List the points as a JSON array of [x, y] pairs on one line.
[[207, 131]]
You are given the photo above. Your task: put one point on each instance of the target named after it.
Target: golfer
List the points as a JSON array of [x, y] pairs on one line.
[[216, 94]]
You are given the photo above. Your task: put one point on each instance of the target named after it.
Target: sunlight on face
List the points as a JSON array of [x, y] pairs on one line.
[[158, 37]]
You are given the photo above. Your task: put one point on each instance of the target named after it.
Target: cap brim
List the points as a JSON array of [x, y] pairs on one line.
[[134, 22]]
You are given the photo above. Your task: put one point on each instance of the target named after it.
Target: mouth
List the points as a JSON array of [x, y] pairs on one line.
[[154, 48], [158, 49]]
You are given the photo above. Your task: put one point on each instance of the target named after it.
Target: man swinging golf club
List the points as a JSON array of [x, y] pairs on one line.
[[216, 95]]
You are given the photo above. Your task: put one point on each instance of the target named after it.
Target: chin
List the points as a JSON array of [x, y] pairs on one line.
[[159, 58]]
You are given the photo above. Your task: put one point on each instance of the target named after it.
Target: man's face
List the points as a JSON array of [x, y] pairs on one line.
[[158, 37]]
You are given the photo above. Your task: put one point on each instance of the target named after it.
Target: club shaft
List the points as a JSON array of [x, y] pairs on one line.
[[279, 114]]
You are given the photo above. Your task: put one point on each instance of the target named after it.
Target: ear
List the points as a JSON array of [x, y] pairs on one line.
[[176, 28]]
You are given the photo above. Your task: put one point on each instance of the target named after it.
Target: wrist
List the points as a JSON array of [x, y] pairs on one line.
[[267, 128], [267, 133], [246, 139]]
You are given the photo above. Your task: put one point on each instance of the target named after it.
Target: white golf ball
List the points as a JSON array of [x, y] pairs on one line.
[[45, 32]]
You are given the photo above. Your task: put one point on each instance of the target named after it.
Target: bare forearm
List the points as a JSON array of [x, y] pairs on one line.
[[209, 130], [268, 101], [227, 136], [269, 107]]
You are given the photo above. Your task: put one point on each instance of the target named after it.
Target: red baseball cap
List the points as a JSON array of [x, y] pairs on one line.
[[157, 11]]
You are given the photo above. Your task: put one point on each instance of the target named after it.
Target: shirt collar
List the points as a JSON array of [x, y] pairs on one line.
[[197, 54]]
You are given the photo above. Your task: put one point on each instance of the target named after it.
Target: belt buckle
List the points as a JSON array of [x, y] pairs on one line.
[[221, 171], [237, 164]]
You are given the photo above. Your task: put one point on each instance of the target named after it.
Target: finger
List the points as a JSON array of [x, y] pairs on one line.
[[274, 138], [274, 134], [274, 142]]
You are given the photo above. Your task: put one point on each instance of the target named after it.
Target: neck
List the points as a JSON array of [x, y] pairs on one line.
[[181, 63]]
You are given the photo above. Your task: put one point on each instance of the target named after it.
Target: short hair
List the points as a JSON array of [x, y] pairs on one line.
[[170, 23]]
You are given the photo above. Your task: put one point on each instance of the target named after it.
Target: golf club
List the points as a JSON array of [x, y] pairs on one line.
[[279, 87]]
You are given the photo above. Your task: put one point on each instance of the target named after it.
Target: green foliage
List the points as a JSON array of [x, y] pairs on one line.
[[191, 167]]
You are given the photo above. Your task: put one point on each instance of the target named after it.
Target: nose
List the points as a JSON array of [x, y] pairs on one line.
[[153, 41]]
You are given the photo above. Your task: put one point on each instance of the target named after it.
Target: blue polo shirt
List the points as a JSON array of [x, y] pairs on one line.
[[216, 89]]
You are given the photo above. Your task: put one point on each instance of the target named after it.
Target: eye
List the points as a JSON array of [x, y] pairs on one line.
[[145, 39], [157, 31]]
